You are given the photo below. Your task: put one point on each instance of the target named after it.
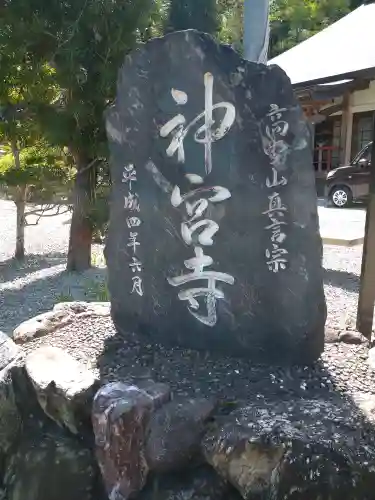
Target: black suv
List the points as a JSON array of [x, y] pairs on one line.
[[351, 183]]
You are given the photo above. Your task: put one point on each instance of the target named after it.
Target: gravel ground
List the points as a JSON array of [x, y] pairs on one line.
[[341, 372], [37, 284], [341, 284]]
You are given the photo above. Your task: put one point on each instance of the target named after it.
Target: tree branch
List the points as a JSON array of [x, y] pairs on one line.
[[41, 213], [90, 165]]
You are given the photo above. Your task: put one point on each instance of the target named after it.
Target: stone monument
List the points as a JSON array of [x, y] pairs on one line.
[[213, 241]]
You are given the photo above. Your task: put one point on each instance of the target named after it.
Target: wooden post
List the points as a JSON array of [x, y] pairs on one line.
[[349, 132], [366, 298], [346, 128]]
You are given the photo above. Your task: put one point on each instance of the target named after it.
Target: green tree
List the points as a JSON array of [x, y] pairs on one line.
[[157, 20], [293, 21], [85, 42], [231, 22], [22, 81], [356, 3], [201, 15], [38, 174]]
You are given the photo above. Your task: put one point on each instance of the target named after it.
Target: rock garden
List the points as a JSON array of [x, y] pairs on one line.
[[89, 414]]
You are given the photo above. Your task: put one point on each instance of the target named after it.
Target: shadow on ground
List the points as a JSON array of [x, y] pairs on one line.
[[11, 269], [22, 301], [233, 380], [342, 279]]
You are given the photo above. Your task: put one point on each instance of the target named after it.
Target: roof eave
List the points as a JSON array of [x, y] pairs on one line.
[[368, 73]]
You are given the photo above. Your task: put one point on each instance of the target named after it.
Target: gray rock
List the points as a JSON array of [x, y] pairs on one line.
[[331, 336], [51, 467], [32, 415], [10, 418], [41, 325], [9, 351], [64, 387], [296, 449], [120, 415], [213, 245], [352, 337], [174, 433], [62, 314]]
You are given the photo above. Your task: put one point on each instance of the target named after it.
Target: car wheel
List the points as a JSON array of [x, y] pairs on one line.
[[341, 196]]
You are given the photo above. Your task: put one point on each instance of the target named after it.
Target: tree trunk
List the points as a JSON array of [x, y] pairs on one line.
[[79, 253], [16, 154], [20, 202]]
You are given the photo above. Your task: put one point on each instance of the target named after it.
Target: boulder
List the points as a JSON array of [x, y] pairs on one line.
[[41, 325], [120, 416], [64, 387], [295, 450], [175, 431], [352, 337], [51, 466], [213, 241], [9, 351], [62, 314], [10, 417], [32, 414]]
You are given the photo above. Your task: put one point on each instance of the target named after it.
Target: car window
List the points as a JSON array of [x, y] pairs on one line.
[[361, 153], [366, 155]]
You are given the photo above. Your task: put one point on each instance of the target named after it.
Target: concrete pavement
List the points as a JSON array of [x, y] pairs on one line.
[[342, 226]]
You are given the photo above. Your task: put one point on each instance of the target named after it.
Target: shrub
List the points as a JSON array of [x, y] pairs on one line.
[[43, 169]]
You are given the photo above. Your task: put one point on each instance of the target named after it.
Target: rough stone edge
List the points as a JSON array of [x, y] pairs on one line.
[[29, 330]]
